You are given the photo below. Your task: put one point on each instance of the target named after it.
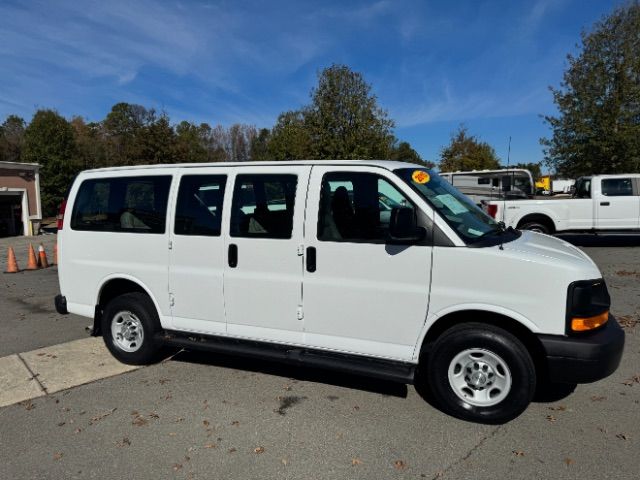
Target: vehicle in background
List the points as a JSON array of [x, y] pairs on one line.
[[480, 185], [598, 203], [548, 186]]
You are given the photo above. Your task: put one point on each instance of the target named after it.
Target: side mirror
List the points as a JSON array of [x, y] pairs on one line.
[[403, 226], [506, 183]]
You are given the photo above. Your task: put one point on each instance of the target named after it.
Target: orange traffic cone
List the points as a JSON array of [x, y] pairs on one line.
[[55, 254], [32, 263], [42, 256], [12, 264]]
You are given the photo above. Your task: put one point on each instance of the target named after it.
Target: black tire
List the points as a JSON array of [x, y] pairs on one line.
[[140, 305], [497, 341], [536, 227]]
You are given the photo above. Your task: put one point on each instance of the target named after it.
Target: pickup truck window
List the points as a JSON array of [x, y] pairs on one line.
[[583, 188], [464, 216], [617, 187]]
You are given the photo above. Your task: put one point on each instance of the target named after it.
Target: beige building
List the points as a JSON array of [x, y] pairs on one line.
[[20, 207]]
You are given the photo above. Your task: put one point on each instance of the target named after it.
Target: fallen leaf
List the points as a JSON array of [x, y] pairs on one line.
[[568, 461], [559, 408], [162, 381], [597, 398], [356, 407], [235, 423], [399, 465], [179, 419], [124, 442], [356, 461], [551, 418], [177, 466], [154, 415], [28, 405], [518, 453], [99, 417], [258, 450], [232, 450], [622, 436], [77, 430], [139, 421], [172, 434], [210, 445], [206, 423], [61, 424], [630, 381], [58, 455], [284, 461]]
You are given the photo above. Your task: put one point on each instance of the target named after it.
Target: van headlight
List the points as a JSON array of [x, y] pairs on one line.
[[588, 305]]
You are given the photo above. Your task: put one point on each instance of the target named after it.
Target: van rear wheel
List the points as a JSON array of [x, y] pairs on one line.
[[129, 325], [481, 373]]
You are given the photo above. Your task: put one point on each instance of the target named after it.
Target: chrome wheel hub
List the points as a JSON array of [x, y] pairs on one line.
[[127, 331], [479, 377]]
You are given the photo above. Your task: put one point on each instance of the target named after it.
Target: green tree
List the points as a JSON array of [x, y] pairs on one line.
[[598, 126], [11, 138], [90, 145], [344, 120], [156, 140], [404, 153], [466, 152], [123, 133], [191, 142], [290, 137], [259, 149], [49, 141]]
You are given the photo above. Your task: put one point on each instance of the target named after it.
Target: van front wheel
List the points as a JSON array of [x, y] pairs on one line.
[[481, 373], [129, 324]]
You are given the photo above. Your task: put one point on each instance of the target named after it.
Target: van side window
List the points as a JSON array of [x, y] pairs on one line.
[[122, 204], [263, 205], [617, 187], [199, 205], [356, 207]]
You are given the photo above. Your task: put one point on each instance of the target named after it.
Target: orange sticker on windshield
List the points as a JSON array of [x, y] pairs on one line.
[[420, 177]]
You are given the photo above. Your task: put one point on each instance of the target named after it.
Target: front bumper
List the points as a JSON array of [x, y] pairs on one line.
[[584, 358]]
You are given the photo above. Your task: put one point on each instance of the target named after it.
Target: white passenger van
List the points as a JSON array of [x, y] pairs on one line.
[[377, 268]]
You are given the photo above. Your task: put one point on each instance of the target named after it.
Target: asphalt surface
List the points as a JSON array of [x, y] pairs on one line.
[[198, 416]]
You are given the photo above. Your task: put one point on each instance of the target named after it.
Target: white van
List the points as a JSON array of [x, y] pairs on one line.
[[377, 268]]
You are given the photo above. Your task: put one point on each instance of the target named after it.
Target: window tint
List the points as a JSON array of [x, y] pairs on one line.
[[263, 206], [123, 204], [199, 205], [617, 187], [583, 188], [484, 181], [357, 207]]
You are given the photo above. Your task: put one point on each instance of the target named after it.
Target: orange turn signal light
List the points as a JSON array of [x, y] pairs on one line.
[[582, 324]]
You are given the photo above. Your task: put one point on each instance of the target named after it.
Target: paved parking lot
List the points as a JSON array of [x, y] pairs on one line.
[[198, 416]]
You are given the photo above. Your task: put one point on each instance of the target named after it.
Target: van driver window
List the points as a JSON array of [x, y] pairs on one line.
[[262, 206], [356, 207]]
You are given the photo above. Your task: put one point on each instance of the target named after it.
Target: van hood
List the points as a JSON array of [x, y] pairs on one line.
[[553, 250]]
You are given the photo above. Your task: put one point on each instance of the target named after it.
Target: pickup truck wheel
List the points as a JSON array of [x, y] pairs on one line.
[[535, 227], [481, 373], [129, 323]]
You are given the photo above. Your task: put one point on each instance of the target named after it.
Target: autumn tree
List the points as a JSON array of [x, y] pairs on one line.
[[597, 129], [466, 152]]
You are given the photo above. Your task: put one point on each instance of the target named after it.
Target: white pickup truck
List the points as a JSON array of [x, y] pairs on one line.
[[602, 202]]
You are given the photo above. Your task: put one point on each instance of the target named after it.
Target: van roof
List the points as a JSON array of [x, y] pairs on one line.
[[386, 164]]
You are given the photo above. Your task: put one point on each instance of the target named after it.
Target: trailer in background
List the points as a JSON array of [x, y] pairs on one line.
[[479, 185]]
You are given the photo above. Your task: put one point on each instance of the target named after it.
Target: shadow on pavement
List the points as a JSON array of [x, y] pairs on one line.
[[601, 240], [303, 373]]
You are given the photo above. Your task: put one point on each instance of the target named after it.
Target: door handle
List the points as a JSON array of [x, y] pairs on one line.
[[310, 259], [604, 204], [233, 255]]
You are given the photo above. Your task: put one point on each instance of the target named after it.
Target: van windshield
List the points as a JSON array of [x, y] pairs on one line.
[[464, 216]]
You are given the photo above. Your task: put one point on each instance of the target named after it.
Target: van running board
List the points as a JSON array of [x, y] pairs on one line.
[[390, 370]]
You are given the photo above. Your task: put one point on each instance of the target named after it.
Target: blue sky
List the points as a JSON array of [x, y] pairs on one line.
[[432, 64]]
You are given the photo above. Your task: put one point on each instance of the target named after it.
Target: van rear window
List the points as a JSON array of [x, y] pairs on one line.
[[122, 204]]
